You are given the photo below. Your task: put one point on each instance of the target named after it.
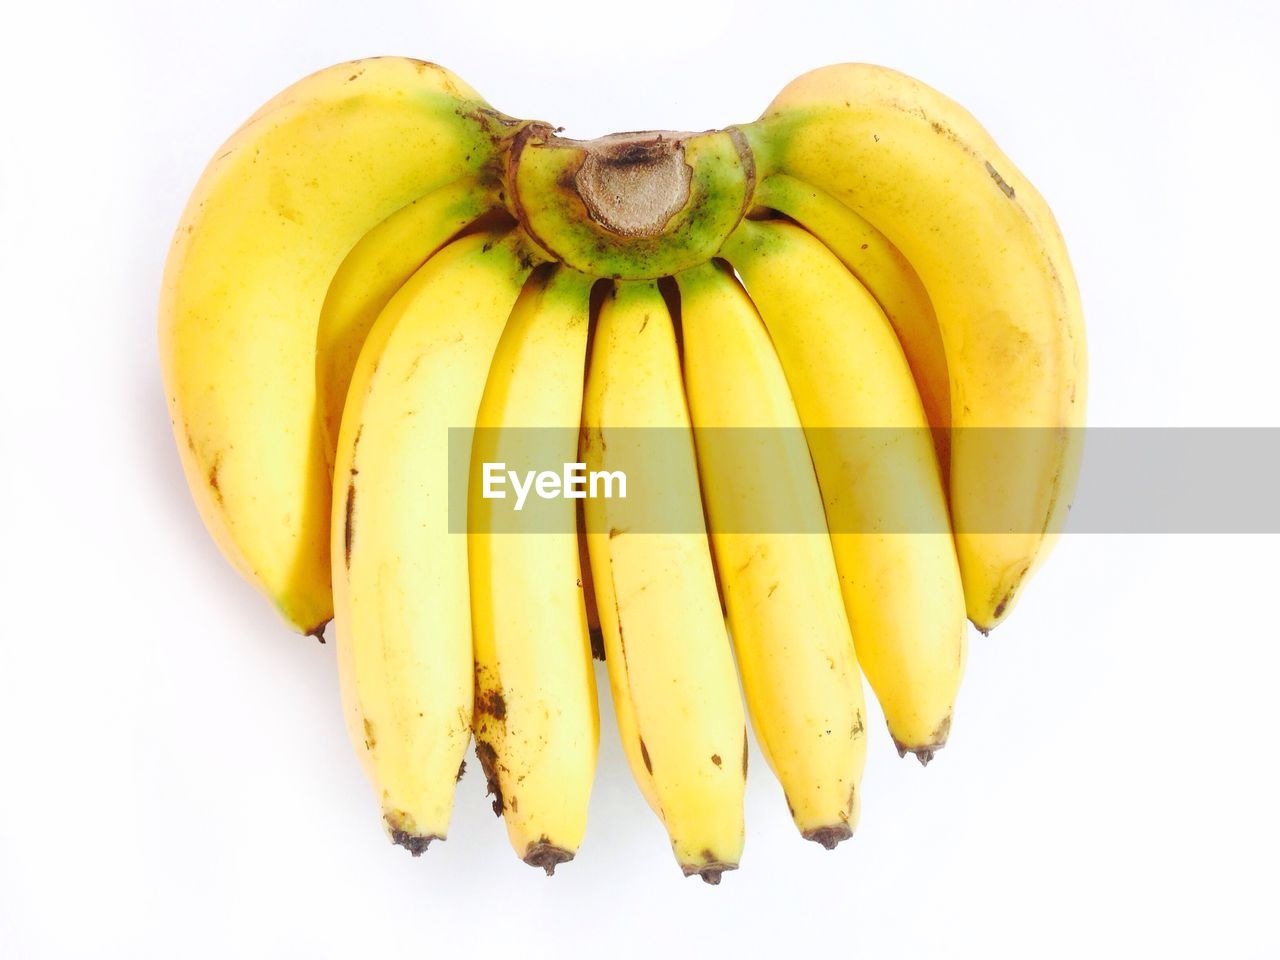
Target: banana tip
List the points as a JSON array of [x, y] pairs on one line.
[[709, 872], [830, 836], [415, 843], [547, 856], [924, 754], [925, 751]]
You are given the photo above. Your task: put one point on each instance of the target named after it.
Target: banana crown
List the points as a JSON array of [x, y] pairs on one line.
[[630, 205]]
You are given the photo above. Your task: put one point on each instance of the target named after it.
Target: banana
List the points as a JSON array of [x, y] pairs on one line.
[[401, 596], [877, 471], [924, 172], [670, 666], [266, 228], [536, 724], [789, 627], [889, 277], [369, 276]]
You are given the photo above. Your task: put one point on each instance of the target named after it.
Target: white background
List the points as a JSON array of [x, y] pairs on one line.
[[176, 777]]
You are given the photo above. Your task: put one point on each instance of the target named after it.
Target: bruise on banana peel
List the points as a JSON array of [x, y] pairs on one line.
[[488, 758], [488, 721]]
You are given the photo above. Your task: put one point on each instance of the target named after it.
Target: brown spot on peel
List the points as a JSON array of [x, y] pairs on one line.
[[213, 476], [348, 530], [943, 731], [715, 758], [644, 755], [1002, 604], [492, 703], [488, 758]]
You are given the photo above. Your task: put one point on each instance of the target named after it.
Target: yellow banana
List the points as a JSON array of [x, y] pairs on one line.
[[370, 275], [401, 597], [670, 666], [271, 219], [536, 725], [887, 274], [877, 471], [789, 627], [924, 172]]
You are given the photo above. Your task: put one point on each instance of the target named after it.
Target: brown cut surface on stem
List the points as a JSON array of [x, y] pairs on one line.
[[634, 183]]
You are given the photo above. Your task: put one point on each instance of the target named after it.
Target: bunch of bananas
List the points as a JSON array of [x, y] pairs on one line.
[[378, 256]]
